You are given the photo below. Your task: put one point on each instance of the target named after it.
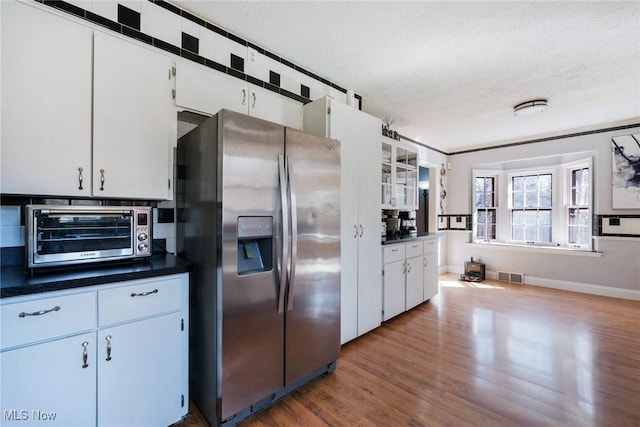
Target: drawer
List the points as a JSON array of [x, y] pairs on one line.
[[44, 318], [414, 249], [140, 298], [394, 253], [430, 245]]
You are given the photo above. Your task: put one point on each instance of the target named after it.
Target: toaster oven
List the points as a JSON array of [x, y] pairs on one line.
[[61, 235]]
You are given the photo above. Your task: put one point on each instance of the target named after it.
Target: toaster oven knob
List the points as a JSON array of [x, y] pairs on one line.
[[142, 247], [142, 236]]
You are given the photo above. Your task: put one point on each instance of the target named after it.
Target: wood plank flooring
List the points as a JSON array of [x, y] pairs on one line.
[[486, 354]]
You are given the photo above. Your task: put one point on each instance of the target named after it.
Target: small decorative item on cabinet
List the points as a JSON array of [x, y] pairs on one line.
[[386, 130]]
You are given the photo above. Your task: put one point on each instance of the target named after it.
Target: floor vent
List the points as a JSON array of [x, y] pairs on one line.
[[505, 276]]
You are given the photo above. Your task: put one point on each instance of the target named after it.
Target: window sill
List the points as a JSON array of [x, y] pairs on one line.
[[537, 249]]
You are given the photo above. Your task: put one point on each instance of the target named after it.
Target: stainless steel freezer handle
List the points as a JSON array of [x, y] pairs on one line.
[[294, 234], [282, 172]]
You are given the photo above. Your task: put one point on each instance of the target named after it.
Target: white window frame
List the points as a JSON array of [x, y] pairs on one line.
[[561, 202], [567, 202], [496, 202]]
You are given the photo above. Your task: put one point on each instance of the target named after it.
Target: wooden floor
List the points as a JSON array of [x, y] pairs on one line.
[[487, 354]]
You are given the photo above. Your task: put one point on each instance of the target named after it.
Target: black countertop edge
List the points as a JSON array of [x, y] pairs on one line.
[[406, 239], [15, 281]]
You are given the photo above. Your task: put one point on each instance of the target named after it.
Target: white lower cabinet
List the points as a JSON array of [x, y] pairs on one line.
[[50, 383], [124, 364], [430, 279], [410, 275], [137, 372]]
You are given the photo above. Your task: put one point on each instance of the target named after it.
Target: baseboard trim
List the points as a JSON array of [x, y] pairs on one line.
[[605, 291]]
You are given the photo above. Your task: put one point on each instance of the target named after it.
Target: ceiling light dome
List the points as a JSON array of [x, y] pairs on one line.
[[530, 107]]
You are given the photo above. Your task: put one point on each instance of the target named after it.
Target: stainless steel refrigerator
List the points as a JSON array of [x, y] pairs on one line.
[[258, 213]]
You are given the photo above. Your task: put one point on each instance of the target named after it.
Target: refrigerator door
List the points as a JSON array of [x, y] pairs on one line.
[[313, 304], [251, 366]]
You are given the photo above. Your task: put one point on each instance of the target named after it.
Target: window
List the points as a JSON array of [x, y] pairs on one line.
[[531, 208], [578, 216], [546, 204], [485, 202]]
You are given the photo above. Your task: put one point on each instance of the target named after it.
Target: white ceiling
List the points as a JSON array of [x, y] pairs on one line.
[[449, 73]]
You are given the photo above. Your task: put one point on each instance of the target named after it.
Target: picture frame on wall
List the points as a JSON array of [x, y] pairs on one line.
[[625, 191]]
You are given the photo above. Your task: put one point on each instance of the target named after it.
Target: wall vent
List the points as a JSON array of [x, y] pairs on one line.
[[505, 276]]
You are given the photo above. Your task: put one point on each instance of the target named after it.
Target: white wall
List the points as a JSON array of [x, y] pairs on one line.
[[615, 272]]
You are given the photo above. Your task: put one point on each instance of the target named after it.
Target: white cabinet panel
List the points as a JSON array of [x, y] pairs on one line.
[[46, 103], [361, 274], [430, 275], [139, 379], [414, 281], [31, 321], [50, 383], [394, 295], [209, 91], [399, 175], [133, 114]]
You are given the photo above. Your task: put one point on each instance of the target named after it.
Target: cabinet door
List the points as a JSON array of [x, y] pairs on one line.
[[208, 91], [414, 281], [275, 108], [134, 118], [394, 294], [46, 103], [50, 383], [430, 280], [139, 378]]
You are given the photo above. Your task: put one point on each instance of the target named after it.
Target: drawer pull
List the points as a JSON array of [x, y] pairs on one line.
[[39, 313], [108, 338], [144, 294], [85, 355]]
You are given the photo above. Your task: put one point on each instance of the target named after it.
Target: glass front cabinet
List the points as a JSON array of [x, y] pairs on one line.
[[399, 187]]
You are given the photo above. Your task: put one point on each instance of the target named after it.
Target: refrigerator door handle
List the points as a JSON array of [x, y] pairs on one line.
[[284, 260], [294, 234]]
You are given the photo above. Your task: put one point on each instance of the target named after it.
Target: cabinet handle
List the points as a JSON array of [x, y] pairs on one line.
[[253, 105], [101, 179], [39, 313], [80, 179], [108, 338], [361, 230], [355, 228], [426, 262], [408, 268], [244, 96], [144, 294], [404, 267], [85, 355]]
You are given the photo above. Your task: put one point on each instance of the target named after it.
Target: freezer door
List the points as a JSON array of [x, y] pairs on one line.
[[313, 304], [251, 366]]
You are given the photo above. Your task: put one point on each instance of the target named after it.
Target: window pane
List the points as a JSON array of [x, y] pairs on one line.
[[518, 199], [545, 234], [479, 185], [530, 218], [573, 235], [530, 233], [573, 216], [492, 232], [482, 231], [531, 183], [480, 199], [517, 217], [488, 185], [491, 216], [517, 234], [482, 216], [531, 199], [518, 183], [544, 217], [584, 236]]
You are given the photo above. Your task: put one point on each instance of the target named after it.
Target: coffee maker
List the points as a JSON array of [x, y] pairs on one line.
[[408, 223], [390, 218]]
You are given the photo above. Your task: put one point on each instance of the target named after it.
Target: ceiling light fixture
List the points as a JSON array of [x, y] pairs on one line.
[[530, 107]]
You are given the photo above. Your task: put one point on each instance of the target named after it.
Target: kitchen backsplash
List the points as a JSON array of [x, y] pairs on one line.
[[167, 27], [12, 231]]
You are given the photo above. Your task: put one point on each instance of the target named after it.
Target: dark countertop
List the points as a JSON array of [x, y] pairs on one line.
[[16, 281], [407, 238]]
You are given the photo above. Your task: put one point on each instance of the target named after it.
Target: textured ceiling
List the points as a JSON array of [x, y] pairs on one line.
[[448, 74]]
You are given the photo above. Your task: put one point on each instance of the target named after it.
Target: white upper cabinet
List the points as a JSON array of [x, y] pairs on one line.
[[209, 91], [55, 73], [46, 103], [132, 120], [399, 165]]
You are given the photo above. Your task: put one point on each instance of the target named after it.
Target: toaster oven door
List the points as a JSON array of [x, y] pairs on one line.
[[59, 238]]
